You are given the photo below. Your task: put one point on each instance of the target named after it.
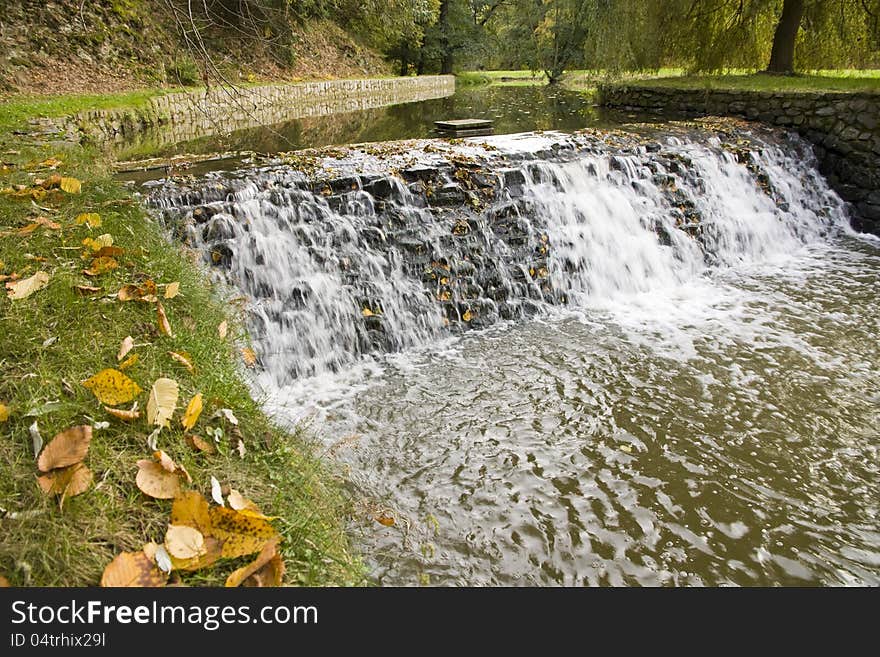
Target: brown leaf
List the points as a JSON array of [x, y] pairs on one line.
[[122, 414], [199, 444], [268, 565], [132, 569], [162, 319], [101, 265], [4, 583], [249, 357], [67, 482], [223, 329], [239, 502], [27, 286], [156, 481], [67, 448], [384, 520], [109, 252], [126, 346], [87, 290], [183, 358]]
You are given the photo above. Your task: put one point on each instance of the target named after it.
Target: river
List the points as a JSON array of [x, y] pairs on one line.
[[671, 377]]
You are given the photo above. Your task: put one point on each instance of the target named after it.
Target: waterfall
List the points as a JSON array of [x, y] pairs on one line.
[[378, 252]]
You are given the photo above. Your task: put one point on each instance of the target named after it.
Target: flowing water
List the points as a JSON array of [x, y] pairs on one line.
[[595, 359]]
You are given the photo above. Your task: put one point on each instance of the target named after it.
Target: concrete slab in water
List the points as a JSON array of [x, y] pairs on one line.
[[464, 124]]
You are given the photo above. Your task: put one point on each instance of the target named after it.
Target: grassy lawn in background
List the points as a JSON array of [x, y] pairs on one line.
[[57, 337]]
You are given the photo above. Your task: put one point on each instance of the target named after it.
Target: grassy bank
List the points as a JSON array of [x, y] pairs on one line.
[[59, 336]]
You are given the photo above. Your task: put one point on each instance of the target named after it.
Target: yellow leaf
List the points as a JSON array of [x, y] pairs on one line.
[[162, 318], [122, 414], [193, 410], [162, 402], [101, 266], [67, 448], [184, 542], [191, 509], [132, 569], [222, 329], [101, 242], [183, 358], [4, 412], [366, 312], [27, 286], [384, 520], [91, 218], [468, 316], [51, 162], [125, 347], [241, 534], [129, 362], [70, 185], [266, 570], [112, 387], [109, 251], [155, 481], [172, 290], [249, 357]]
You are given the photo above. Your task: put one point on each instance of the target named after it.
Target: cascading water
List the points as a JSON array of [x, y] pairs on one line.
[[679, 236]]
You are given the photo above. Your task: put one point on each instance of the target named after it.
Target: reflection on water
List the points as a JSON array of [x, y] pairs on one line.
[[513, 109]]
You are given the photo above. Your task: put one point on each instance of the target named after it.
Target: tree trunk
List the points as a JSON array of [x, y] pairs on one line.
[[446, 56], [782, 55], [404, 66]]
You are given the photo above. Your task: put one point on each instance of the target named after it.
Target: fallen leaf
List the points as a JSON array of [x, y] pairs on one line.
[[70, 185], [162, 402], [239, 502], [126, 346], [67, 482], [241, 534], [216, 491], [51, 162], [193, 410], [165, 461], [249, 357], [222, 329], [172, 290], [212, 552], [183, 358], [184, 542], [4, 412], [47, 223], [36, 438], [132, 569], [67, 448], [200, 444], [112, 387], [162, 319], [101, 266], [366, 312], [384, 520], [93, 219], [99, 242], [468, 316], [145, 292], [4, 583], [122, 414], [27, 286], [192, 509], [266, 570], [129, 362], [109, 251], [228, 414], [155, 481], [163, 559], [87, 290]]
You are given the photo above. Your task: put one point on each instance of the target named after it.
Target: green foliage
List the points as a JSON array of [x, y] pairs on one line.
[[184, 71]]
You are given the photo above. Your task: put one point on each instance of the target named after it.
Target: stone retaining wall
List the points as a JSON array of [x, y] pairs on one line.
[[844, 128], [188, 115]]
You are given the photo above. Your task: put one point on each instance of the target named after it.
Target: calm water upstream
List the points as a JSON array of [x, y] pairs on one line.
[[674, 379]]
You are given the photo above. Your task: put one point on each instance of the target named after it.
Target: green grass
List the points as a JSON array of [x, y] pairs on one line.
[[54, 339], [761, 82]]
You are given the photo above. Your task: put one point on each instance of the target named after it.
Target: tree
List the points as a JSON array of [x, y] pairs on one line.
[[785, 37]]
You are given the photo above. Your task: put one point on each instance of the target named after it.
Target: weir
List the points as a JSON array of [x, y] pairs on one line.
[[382, 248]]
